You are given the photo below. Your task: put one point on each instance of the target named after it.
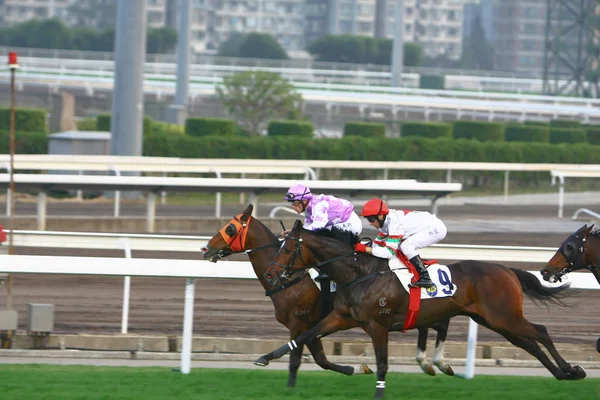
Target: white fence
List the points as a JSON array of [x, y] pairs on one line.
[[192, 269], [308, 169], [315, 73], [361, 97]]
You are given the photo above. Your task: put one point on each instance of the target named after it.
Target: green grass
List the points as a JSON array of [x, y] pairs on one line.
[[37, 382]]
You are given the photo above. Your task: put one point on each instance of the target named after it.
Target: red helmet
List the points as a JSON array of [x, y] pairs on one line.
[[375, 207]]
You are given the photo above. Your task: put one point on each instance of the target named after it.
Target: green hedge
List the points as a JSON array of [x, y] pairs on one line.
[[291, 128], [25, 142], [365, 129], [567, 135], [537, 123], [593, 133], [483, 131], [526, 133], [565, 123], [210, 127], [87, 124], [103, 122], [431, 82], [149, 127], [26, 120], [425, 129]]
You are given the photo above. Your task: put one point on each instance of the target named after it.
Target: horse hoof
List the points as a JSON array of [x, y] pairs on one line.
[[578, 372], [364, 369], [445, 368], [292, 382], [261, 362], [428, 368]]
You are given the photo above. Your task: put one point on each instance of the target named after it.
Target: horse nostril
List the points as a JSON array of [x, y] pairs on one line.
[[204, 249], [545, 272]]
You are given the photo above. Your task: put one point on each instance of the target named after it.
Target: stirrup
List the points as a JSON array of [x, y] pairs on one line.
[[421, 284]]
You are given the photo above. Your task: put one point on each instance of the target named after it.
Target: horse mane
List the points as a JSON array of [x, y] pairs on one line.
[[595, 232], [324, 232], [266, 229]]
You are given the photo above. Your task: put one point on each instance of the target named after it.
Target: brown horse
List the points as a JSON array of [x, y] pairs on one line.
[[373, 299], [297, 298], [581, 251]]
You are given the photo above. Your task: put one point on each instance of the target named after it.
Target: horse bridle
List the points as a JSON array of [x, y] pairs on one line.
[[234, 234], [573, 250]]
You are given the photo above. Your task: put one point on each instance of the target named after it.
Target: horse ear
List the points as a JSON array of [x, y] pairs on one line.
[[247, 212], [297, 225]]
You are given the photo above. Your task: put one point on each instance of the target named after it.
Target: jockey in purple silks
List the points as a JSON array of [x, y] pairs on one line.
[[325, 212]]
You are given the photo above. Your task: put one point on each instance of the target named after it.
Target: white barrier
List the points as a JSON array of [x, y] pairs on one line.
[[153, 185], [309, 168]]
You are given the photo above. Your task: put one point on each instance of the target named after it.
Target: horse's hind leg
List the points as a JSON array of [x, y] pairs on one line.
[[544, 338], [440, 344], [316, 349], [524, 334], [426, 366], [295, 361]]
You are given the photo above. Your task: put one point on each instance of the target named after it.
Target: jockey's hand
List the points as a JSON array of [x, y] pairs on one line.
[[360, 248], [285, 232]]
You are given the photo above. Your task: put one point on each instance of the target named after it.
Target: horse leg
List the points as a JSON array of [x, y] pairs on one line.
[[316, 349], [421, 357], [379, 337], [440, 343], [544, 338], [523, 333], [330, 324], [295, 361]]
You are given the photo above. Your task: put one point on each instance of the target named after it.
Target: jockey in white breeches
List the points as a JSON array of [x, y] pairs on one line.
[[406, 230]]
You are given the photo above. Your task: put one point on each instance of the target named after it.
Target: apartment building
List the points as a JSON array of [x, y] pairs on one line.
[[17, 11], [436, 24], [519, 34]]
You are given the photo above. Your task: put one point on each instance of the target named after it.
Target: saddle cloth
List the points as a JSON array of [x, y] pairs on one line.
[[440, 276]]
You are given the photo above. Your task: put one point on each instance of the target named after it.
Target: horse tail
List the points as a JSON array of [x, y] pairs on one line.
[[539, 293]]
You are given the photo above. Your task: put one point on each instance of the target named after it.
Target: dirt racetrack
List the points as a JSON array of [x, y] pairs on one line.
[[238, 308]]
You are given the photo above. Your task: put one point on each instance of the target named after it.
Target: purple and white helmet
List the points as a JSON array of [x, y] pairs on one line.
[[298, 192]]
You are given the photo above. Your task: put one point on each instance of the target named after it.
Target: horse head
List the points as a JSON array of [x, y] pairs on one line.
[[574, 254], [231, 238], [303, 249], [290, 257]]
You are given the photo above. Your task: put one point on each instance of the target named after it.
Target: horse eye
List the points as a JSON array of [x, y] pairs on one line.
[[230, 230]]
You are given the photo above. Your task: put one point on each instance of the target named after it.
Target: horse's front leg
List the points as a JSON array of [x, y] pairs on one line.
[[426, 366], [379, 337], [332, 323]]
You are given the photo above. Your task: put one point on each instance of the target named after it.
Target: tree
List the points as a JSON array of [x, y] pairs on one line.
[[231, 46], [362, 50], [255, 97], [160, 40], [262, 45], [100, 14]]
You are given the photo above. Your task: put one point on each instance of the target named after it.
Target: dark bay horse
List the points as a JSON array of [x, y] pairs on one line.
[[581, 251], [296, 297], [373, 299]]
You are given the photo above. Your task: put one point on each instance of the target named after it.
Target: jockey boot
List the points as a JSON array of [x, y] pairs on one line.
[[424, 279]]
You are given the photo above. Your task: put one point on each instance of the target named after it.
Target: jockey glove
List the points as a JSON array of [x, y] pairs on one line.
[[360, 248]]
